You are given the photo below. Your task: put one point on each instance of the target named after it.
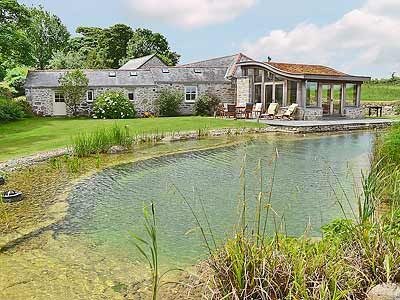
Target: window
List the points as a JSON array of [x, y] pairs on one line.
[[312, 94], [59, 97], [131, 96], [133, 73], [112, 74], [257, 93], [351, 94], [190, 93], [291, 92], [90, 96], [165, 70], [279, 94], [198, 71]]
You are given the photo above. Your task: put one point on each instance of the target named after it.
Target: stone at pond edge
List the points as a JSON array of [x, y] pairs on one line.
[[2, 180], [116, 150], [385, 292]]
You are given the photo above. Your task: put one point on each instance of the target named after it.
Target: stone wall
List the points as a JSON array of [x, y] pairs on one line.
[[353, 112], [41, 101], [243, 86], [226, 92], [312, 113], [388, 108], [145, 97]]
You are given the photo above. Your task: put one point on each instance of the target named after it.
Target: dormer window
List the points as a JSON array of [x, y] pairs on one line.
[[112, 74], [165, 70], [197, 71], [133, 73]]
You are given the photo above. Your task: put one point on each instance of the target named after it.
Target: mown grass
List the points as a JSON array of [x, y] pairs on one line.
[[34, 135]]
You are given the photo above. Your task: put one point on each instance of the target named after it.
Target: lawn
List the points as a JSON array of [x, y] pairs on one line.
[[28, 136], [380, 92]]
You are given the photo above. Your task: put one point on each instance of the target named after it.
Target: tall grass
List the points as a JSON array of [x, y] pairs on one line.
[[100, 141]]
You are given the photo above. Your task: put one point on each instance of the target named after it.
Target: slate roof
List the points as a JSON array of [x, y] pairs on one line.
[[123, 78], [189, 74], [136, 63], [224, 61], [97, 78], [302, 69]]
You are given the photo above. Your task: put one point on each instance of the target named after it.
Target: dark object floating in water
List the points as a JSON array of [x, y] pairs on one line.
[[12, 196], [2, 180]]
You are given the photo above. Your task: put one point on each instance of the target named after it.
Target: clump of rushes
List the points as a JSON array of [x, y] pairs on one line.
[[100, 141]]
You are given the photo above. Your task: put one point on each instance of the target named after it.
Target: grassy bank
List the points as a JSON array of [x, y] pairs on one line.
[[42, 134]]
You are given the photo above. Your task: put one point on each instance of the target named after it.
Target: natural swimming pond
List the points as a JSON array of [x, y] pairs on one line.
[[312, 175]]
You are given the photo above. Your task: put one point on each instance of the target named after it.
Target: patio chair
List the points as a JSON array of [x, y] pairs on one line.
[[220, 110], [257, 110], [230, 110], [272, 111], [248, 110], [289, 113]]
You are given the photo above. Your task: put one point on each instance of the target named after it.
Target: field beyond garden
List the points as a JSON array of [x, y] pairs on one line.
[[381, 90], [29, 136]]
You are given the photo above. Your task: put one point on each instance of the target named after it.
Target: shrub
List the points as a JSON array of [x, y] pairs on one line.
[[206, 105], [10, 110], [26, 107], [16, 78], [6, 91], [168, 102], [113, 105]]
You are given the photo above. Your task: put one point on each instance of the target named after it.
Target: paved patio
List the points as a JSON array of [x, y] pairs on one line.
[[327, 125], [327, 122]]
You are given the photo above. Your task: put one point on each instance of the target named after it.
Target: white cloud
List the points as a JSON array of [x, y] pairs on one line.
[[190, 13], [365, 41]]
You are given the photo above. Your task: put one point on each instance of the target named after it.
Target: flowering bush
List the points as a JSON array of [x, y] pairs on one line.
[[113, 105]]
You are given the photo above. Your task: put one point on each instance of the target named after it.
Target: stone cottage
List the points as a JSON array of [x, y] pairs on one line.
[[320, 91]]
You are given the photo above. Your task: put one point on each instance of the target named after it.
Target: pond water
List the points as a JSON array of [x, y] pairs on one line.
[[312, 176]]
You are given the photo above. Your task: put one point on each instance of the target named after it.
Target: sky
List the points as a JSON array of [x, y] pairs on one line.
[[360, 37]]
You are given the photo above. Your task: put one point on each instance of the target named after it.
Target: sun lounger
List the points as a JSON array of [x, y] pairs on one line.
[[257, 110], [271, 112], [291, 111]]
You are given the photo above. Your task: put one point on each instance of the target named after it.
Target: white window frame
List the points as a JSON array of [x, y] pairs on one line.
[[87, 96], [59, 97], [191, 93], [133, 94]]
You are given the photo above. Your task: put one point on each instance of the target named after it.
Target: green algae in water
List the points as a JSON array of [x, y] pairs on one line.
[[107, 206]]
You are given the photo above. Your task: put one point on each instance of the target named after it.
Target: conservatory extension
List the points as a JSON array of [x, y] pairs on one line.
[[318, 90]]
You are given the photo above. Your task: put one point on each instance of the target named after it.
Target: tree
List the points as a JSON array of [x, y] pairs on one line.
[[74, 85], [47, 35], [69, 60], [16, 78], [145, 42], [14, 46], [113, 43]]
